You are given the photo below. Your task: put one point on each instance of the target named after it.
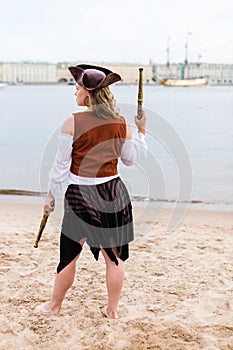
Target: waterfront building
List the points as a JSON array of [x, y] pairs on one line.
[[27, 72], [128, 72], [220, 74]]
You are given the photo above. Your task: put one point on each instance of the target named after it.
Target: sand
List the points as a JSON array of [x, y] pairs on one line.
[[178, 290]]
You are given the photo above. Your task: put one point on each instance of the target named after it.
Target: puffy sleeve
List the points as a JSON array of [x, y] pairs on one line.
[[59, 172], [133, 148]]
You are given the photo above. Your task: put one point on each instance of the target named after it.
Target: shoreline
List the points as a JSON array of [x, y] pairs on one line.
[[15, 195]]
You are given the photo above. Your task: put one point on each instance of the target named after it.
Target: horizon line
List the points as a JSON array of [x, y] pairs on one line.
[[111, 62]]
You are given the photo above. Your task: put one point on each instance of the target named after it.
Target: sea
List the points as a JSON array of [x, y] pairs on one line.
[[189, 136]]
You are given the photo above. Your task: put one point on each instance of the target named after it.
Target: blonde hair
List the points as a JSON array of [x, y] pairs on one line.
[[103, 103]]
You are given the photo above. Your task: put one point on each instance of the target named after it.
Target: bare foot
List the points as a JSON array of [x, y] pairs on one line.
[[46, 309], [109, 314]]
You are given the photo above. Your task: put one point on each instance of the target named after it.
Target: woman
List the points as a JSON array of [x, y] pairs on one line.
[[97, 205]]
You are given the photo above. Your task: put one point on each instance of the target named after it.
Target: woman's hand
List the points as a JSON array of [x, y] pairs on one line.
[[141, 123], [49, 204]]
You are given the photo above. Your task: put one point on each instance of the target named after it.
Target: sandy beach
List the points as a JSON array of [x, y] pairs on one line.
[[178, 290]]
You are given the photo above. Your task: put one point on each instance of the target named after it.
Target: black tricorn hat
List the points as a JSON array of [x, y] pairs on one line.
[[93, 77]]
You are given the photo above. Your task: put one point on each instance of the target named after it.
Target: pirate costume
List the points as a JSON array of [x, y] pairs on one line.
[[97, 204]]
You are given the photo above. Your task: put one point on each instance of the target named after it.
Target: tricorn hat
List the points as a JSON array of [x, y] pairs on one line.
[[93, 77]]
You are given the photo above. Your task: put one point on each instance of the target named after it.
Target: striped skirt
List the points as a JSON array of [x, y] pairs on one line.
[[100, 213]]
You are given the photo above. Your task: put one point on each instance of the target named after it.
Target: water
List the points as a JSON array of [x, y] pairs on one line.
[[198, 120]]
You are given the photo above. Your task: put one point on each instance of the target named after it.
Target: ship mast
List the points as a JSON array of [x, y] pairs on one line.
[[186, 56], [168, 58]]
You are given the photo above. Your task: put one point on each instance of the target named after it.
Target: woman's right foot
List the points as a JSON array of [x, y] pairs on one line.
[[109, 314], [46, 308]]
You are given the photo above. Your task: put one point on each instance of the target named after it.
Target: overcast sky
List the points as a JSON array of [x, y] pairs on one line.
[[115, 30]]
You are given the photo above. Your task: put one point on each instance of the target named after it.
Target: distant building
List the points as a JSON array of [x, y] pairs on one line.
[[217, 74], [28, 72], [35, 72], [62, 73], [128, 72], [220, 74]]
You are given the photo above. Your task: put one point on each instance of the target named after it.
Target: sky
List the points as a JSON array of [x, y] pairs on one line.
[[116, 30]]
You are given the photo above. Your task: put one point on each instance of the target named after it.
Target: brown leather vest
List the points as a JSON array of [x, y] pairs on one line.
[[97, 145]]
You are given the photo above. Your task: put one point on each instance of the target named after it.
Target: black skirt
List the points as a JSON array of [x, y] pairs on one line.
[[100, 213]]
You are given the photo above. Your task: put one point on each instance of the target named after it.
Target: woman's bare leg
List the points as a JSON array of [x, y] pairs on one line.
[[114, 283], [63, 281]]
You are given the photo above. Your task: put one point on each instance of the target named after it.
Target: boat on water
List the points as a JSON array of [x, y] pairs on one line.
[[185, 80], [189, 82]]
